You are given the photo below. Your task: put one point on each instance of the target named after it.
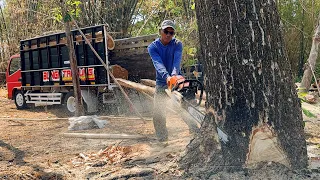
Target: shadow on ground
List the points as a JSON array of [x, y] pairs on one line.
[[16, 156]]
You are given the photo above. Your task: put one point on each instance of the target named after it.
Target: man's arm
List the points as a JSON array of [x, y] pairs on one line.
[[177, 59], [157, 62]]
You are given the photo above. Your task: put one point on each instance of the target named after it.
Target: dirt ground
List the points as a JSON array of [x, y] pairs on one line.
[[37, 149]]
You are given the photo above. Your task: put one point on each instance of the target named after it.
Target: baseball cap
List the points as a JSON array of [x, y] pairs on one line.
[[167, 23]]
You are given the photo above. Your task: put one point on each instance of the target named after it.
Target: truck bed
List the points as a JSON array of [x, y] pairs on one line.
[[45, 59]]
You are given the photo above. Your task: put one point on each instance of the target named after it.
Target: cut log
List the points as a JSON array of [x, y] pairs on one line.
[[148, 82], [103, 136], [111, 43], [119, 72], [136, 86]]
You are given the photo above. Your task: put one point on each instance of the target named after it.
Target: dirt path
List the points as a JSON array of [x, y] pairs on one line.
[[38, 150]]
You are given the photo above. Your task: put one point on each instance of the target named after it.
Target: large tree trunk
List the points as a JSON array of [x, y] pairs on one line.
[[250, 91], [311, 63]]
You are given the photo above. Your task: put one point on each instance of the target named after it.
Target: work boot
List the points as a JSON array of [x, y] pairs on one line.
[[163, 139]]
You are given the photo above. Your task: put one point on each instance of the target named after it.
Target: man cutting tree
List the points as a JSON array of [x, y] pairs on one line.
[[166, 55]]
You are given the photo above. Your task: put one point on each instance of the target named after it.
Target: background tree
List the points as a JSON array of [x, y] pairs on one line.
[[250, 90], [29, 18], [21, 20], [311, 62], [299, 20], [116, 13], [149, 14]]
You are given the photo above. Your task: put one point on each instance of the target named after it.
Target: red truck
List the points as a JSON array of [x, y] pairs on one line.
[[41, 73]]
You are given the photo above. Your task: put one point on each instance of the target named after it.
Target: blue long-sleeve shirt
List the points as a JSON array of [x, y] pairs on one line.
[[166, 59]]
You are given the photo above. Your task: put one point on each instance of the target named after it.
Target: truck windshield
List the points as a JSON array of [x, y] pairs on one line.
[[14, 65]]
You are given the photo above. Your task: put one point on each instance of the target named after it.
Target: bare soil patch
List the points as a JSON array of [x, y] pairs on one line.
[[31, 149]]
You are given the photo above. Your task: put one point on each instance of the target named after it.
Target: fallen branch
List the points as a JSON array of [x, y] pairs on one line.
[[26, 119], [59, 119]]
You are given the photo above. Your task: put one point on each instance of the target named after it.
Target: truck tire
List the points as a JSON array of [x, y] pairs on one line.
[[70, 104], [19, 100]]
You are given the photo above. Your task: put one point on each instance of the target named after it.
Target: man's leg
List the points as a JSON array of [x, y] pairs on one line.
[[159, 113]]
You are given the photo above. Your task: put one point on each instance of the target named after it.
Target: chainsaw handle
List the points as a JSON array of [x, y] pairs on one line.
[[191, 84]]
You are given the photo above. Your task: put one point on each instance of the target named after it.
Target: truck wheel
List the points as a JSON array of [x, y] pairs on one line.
[[19, 100], [70, 103]]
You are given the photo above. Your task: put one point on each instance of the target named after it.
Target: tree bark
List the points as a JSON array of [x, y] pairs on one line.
[[311, 63], [250, 90], [73, 64]]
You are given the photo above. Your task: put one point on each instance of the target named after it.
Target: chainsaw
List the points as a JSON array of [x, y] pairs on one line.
[[183, 93]]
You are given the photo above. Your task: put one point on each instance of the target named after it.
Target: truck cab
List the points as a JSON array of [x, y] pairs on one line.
[[13, 76]]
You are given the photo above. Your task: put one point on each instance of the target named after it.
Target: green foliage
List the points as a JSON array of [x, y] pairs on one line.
[[299, 20], [308, 113], [150, 14], [193, 6], [73, 8], [302, 94], [57, 14]]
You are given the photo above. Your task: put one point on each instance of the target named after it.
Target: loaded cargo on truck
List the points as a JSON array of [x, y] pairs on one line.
[[41, 73]]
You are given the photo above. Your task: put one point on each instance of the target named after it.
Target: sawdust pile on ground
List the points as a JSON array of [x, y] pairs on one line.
[[112, 155]]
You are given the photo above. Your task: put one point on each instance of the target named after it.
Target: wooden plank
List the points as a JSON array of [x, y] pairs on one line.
[[140, 57], [133, 45], [133, 39], [128, 65], [130, 52], [102, 136], [134, 42]]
